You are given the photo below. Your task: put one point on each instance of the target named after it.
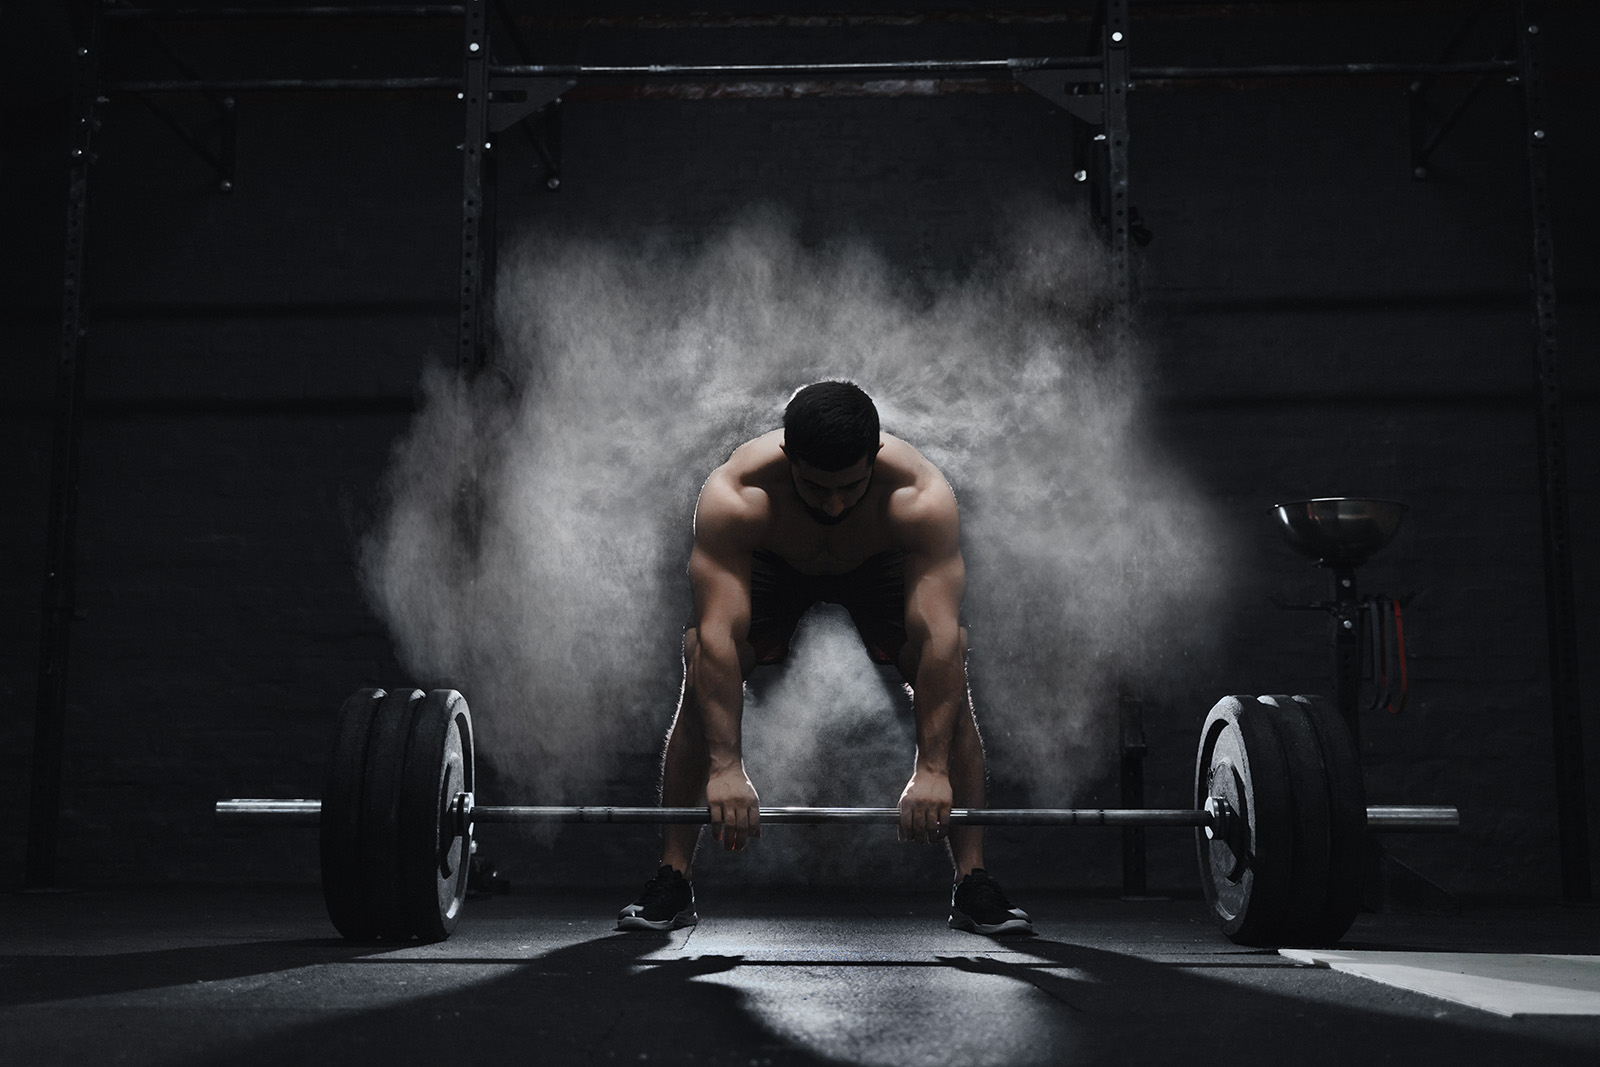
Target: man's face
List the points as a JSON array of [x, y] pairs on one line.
[[829, 496]]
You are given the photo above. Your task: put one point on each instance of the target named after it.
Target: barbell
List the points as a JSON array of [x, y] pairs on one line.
[[1281, 817]]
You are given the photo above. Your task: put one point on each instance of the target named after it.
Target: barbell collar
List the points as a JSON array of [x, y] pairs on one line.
[[282, 812], [1412, 819], [1387, 818]]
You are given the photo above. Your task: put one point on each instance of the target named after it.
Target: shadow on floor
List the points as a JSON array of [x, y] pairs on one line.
[[606, 1000], [39, 979], [602, 1001]]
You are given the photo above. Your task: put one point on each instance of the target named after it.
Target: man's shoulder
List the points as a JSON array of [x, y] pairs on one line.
[[916, 485], [734, 501], [728, 496], [921, 507]]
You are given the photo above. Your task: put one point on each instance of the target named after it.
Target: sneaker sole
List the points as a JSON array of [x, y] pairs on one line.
[[687, 917], [960, 921]]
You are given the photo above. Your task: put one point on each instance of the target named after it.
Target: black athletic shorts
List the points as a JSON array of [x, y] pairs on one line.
[[874, 594]]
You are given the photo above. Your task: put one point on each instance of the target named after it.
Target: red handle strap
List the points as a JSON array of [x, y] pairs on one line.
[[1398, 706]]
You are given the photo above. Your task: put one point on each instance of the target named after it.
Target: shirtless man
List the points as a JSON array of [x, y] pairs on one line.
[[826, 509]]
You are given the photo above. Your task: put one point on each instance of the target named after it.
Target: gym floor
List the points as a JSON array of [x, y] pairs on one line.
[[256, 975]]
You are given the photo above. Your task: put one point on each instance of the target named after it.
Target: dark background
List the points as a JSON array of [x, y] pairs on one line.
[[1321, 324]]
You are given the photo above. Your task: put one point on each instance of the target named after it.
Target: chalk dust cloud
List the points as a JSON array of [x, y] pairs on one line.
[[537, 519]]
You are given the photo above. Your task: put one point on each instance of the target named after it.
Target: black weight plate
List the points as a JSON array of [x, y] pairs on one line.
[[1308, 785], [1240, 759], [380, 814], [342, 885], [1347, 819], [433, 857]]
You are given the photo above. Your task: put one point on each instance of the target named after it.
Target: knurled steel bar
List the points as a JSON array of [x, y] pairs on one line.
[[1413, 819], [475, 119], [1114, 47], [803, 815], [1560, 611], [60, 586]]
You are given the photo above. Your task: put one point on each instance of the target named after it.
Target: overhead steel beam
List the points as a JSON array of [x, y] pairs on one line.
[[1079, 69], [889, 68]]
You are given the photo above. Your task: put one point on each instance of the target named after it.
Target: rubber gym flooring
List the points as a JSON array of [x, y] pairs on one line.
[[256, 976]]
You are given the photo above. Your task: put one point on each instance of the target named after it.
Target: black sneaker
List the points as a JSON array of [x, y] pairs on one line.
[[978, 904], [665, 903]]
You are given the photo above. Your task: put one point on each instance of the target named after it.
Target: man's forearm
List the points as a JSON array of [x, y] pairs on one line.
[[719, 688], [936, 700]]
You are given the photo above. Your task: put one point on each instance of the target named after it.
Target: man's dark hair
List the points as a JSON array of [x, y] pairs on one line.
[[830, 425]]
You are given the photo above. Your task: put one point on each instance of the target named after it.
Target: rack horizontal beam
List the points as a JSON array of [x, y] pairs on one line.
[[267, 85], [1323, 70], [212, 14], [1085, 70], [995, 67]]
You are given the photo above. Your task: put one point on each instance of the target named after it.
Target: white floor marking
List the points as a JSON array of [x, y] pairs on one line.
[[1504, 983]]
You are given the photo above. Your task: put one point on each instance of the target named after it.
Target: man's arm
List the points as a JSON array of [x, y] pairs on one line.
[[719, 572], [935, 582]]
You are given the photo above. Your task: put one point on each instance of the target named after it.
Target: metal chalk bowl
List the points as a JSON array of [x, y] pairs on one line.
[[1338, 530]]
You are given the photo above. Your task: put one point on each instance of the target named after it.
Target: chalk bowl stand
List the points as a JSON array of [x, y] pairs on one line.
[[1340, 534], [1278, 801]]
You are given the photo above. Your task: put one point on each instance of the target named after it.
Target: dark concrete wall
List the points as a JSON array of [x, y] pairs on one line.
[[1321, 325]]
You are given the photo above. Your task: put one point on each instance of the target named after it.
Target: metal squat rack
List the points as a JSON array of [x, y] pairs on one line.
[[1093, 88]]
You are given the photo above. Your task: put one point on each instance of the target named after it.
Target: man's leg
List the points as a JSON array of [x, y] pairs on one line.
[[967, 773], [977, 903], [685, 763], [967, 770], [667, 900]]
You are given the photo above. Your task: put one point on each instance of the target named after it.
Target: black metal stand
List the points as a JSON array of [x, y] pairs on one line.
[[1566, 711], [1134, 882], [1346, 612], [475, 108], [59, 600]]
